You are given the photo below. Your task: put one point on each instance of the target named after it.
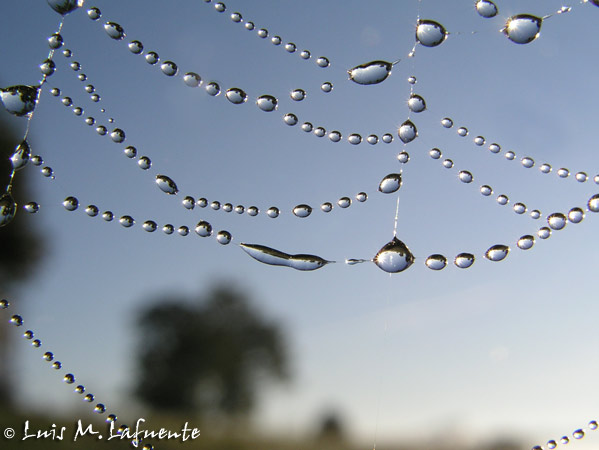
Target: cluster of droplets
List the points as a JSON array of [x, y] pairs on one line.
[[576, 434]]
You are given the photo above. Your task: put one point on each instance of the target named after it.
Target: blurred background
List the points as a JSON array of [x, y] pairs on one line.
[[173, 328]]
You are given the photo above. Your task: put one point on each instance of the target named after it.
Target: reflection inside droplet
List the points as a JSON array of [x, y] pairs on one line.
[[430, 33], [394, 257], [522, 28], [275, 257], [370, 73]]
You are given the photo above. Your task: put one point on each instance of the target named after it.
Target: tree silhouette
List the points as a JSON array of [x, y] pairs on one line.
[[207, 356]]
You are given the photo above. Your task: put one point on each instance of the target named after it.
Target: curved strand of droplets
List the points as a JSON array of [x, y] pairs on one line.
[[577, 434]]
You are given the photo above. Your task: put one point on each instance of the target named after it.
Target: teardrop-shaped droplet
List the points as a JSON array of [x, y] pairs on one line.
[[21, 155], [326, 207], [370, 73], [8, 209], [273, 212], [391, 183], [526, 242], [576, 215], [436, 262], [464, 260], [203, 229], [267, 103], [275, 257], [64, 7], [114, 30], [150, 226], [522, 28], [407, 132], [497, 252], [70, 203], [166, 184], [416, 103], [394, 257], [135, 47], [192, 79], [298, 95], [557, 221], [354, 139], [19, 100], [465, 176], [486, 8], [430, 33], [302, 210], [236, 96], [223, 237], [169, 68]]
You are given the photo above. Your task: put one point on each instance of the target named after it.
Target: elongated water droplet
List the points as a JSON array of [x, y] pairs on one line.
[[19, 100], [557, 221], [497, 252], [192, 79], [8, 209], [150, 226], [32, 207], [166, 184], [267, 103], [70, 203], [486, 8], [236, 96], [391, 183], [464, 260], [21, 155], [394, 257], [275, 257], [326, 207], [114, 30], [302, 210], [169, 68], [223, 237], [416, 103], [407, 132], [576, 215], [298, 95], [447, 122], [465, 176], [203, 229], [373, 72], [64, 7], [430, 33], [494, 148], [526, 242], [323, 61], [319, 131], [273, 212], [522, 28], [545, 168], [436, 262], [327, 87]]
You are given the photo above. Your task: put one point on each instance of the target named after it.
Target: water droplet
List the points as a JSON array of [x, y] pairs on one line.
[[67, 53], [544, 232], [223, 237], [203, 229], [144, 163], [522, 28], [486, 190], [503, 199], [48, 356], [130, 152], [114, 30], [463, 131], [227, 207], [48, 67], [412, 80], [152, 58], [69, 378], [188, 202], [361, 196], [249, 26], [263, 33], [215, 205], [576, 215], [494, 148], [535, 214], [168, 229], [465, 176], [47, 172], [578, 434], [557, 221], [64, 7], [447, 122], [220, 7], [593, 423], [373, 72], [372, 139], [4, 304], [100, 408], [430, 33], [581, 177], [239, 209], [448, 163], [183, 230], [479, 140], [21, 155], [545, 168], [8, 209], [327, 87], [416, 103], [267, 103], [435, 153], [354, 139], [127, 221], [563, 173], [16, 320], [403, 157], [150, 226], [67, 101], [298, 95], [593, 203], [28, 334], [94, 13], [276, 40], [273, 212], [519, 208], [551, 444], [307, 127], [391, 183], [236, 17], [101, 130], [236, 96], [213, 89], [19, 100], [394, 257], [253, 211], [88, 398], [526, 242], [290, 47], [486, 8], [344, 202], [497, 252], [436, 262], [322, 61], [107, 216], [274, 257], [407, 132], [70, 203], [31, 207], [112, 418], [117, 135], [326, 207], [319, 131], [335, 136], [169, 68], [77, 111], [305, 54], [464, 260], [91, 210], [290, 119], [302, 210], [90, 121], [527, 162], [564, 440], [136, 47]]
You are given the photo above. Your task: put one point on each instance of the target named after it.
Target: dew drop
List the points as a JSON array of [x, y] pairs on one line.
[[302, 210], [16, 320], [544, 232], [150, 226], [430, 33], [581, 177], [213, 89], [107, 216], [267, 103], [215, 205], [412, 80], [127, 221], [90, 121], [48, 356], [503, 199], [344, 202], [494, 148], [32, 207], [130, 152], [464, 260], [47, 172], [373, 72], [88, 398], [64, 7], [576, 215], [526, 242], [67, 101], [47, 67], [290, 47], [4, 304], [407, 132], [578, 434], [203, 229], [436, 262], [135, 47], [403, 157], [535, 214], [435, 153], [522, 28], [94, 13], [335, 136], [354, 139], [192, 79], [69, 378], [202, 202], [391, 183], [188, 202], [152, 58], [447, 122], [77, 111], [322, 61], [262, 33], [249, 26], [290, 119], [519, 208], [67, 53], [319, 131], [557, 221], [101, 130], [394, 257], [593, 423], [223, 237], [486, 8], [564, 440], [307, 127], [183, 230], [21, 155], [305, 54], [510, 156], [236, 96], [169, 68], [220, 7], [326, 207], [114, 30], [463, 131], [19, 100], [28, 334], [276, 40], [416, 103], [551, 444], [144, 163], [37, 343], [563, 173], [497, 252], [8, 209], [527, 162], [273, 212], [236, 17], [298, 95], [361, 196], [274, 257], [545, 168], [100, 408], [448, 163], [479, 140], [117, 135], [465, 176], [253, 211], [372, 139], [327, 87], [70, 203], [168, 229], [239, 209], [91, 210]]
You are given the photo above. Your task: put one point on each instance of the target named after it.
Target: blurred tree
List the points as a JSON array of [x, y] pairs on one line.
[[207, 356]]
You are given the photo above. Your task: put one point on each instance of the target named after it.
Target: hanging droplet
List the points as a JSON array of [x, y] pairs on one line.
[[183, 230], [464, 260], [576, 215], [416, 103], [486, 8], [28, 334], [236, 96], [100, 408], [403, 157], [448, 163], [581, 177], [544, 232], [262, 33], [354, 139], [290, 47], [305, 54], [274, 257], [70, 203], [407, 132], [486, 190], [91, 210], [502, 199], [535, 214], [47, 67], [462, 131], [16, 320], [322, 61], [563, 173], [361, 196], [447, 122], [192, 79], [391, 183], [130, 152], [526, 242], [249, 26], [203, 229], [101, 130], [114, 30], [394, 257], [169, 68], [144, 163], [545, 168], [223, 237], [236, 17], [298, 95], [436, 262], [69, 378], [510, 156], [578, 434], [519, 208], [430, 33], [344, 202], [435, 153], [188, 202], [94, 13], [302, 210], [152, 58], [88, 398], [48, 356], [107, 216], [494, 148], [593, 423], [327, 87], [372, 139], [32, 207], [465, 176], [307, 127], [47, 172], [19, 100], [326, 207], [335, 136], [220, 7], [373, 72], [290, 119], [522, 28], [135, 47], [267, 103], [253, 211], [150, 226], [479, 140], [592, 205], [564, 440], [557, 221], [21, 155], [168, 229], [64, 7], [90, 121], [497, 252], [215, 205], [273, 212], [8, 209], [127, 221], [319, 131], [117, 135]]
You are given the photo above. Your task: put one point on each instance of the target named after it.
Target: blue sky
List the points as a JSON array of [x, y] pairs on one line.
[[501, 347]]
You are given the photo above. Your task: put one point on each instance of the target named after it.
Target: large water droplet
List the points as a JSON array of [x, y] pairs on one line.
[[273, 212], [47, 67], [576, 215], [416, 103], [327, 87], [21, 156], [274, 257], [497, 252], [169, 68], [486, 8], [267, 103], [213, 89], [435, 153], [298, 95], [117, 135], [253, 211], [391, 183], [519, 208], [19, 100], [407, 132], [464, 260], [563, 172], [526, 242], [394, 257], [581, 177], [593, 203], [114, 30], [70, 203], [557, 221], [91, 210], [236, 96], [522, 28], [430, 33], [144, 163], [436, 262], [302, 210], [465, 176], [8, 209], [335, 136], [166, 184], [370, 73], [203, 229], [64, 7]]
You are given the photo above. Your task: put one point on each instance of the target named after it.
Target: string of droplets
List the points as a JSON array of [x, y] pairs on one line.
[[576, 434]]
